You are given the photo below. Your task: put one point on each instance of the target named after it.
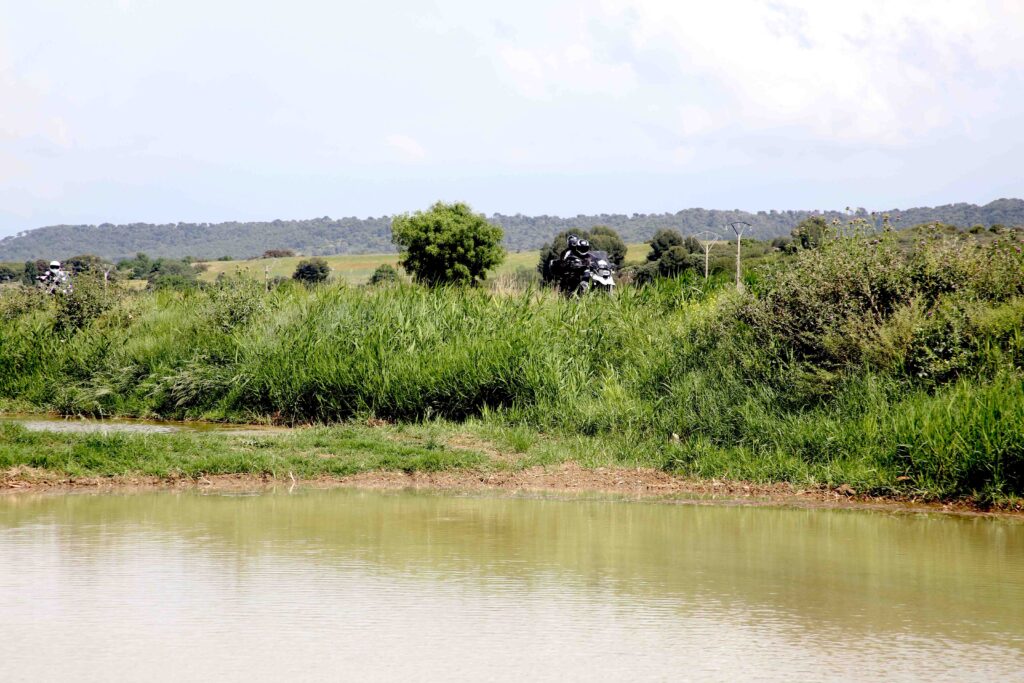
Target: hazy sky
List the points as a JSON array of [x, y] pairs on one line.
[[208, 110]]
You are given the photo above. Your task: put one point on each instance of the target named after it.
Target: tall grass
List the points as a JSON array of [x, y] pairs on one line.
[[767, 384]]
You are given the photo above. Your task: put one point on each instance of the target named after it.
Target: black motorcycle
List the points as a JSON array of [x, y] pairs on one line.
[[577, 274]]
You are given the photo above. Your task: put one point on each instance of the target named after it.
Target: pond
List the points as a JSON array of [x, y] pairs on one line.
[[352, 584]]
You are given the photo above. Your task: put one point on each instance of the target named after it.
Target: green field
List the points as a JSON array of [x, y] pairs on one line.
[[356, 268]]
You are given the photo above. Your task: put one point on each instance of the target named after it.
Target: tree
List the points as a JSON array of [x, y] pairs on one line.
[[91, 264], [811, 232], [29, 273], [84, 263], [447, 244], [601, 238], [662, 241], [385, 274], [7, 273], [677, 260], [278, 253], [141, 266], [311, 271]]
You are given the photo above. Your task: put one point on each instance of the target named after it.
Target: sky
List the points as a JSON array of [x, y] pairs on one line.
[[209, 110]]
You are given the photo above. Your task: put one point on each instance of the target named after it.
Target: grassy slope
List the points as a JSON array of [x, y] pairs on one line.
[[616, 377], [357, 268]]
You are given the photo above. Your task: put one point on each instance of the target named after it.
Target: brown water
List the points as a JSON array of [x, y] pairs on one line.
[[354, 585]]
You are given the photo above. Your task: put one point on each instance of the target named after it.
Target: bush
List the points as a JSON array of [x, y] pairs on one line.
[[168, 273], [447, 244], [384, 274], [312, 271], [22, 300], [860, 298], [278, 253], [234, 301], [89, 298]]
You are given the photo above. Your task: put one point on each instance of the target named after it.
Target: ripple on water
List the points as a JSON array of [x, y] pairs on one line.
[[355, 584]]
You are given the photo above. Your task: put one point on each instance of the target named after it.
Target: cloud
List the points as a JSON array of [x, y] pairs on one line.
[[872, 72], [574, 68], [410, 148]]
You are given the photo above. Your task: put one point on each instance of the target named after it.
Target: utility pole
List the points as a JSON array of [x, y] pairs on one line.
[[738, 227], [707, 239]]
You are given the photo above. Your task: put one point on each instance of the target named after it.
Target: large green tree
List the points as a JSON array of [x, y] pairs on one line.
[[447, 244]]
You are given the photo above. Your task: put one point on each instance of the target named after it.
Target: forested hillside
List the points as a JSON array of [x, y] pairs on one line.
[[322, 236]]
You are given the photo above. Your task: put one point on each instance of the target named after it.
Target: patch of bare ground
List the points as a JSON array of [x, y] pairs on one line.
[[474, 444], [568, 479]]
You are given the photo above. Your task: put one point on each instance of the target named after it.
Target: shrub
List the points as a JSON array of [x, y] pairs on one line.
[[172, 274], [89, 298], [277, 253], [384, 274], [447, 244], [312, 271], [234, 301], [834, 306], [22, 300]]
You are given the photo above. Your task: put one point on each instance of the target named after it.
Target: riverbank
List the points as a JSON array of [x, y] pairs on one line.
[[863, 364], [443, 457]]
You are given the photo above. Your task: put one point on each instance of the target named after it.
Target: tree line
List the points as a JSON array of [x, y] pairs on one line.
[[324, 236]]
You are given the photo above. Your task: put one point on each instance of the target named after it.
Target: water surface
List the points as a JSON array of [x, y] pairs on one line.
[[354, 585], [49, 423]]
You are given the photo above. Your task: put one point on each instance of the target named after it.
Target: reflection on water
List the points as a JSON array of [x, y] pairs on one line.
[[353, 585], [43, 423]]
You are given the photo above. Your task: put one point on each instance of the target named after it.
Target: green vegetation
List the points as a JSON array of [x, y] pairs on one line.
[[312, 271], [326, 236], [384, 274], [890, 363], [447, 245], [307, 453]]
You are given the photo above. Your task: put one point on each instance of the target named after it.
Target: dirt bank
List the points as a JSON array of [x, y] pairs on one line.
[[565, 479]]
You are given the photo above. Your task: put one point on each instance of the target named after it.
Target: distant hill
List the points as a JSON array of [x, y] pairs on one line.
[[324, 236]]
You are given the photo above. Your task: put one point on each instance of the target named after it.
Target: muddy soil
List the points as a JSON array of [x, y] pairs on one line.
[[567, 480]]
